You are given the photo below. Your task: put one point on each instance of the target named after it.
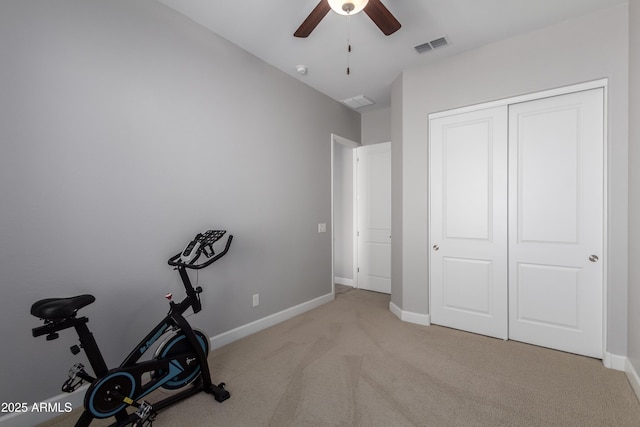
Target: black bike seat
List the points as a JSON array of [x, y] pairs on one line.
[[60, 308]]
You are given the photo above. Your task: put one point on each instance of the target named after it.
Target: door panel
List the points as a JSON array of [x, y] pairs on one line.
[[556, 222], [374, 217], [466, 173], [468, 286], [468, 221], [548, 295], [548, 150]]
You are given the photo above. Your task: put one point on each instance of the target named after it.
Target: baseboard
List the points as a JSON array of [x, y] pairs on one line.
[[39, 412], [632, 376], [614, 361], [407, 316], [76, 399], [260, 324], [343, 281]]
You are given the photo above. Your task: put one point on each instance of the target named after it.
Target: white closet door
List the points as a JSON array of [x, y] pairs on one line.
[[556, 222], [468, 221]]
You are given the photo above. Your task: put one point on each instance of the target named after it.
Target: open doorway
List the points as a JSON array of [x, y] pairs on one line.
[[343, 210], [361, 215]]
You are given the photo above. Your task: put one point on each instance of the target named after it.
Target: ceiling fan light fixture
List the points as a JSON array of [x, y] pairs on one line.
[[348, 7]]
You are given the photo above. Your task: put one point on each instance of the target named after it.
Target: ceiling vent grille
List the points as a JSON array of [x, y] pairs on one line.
[[357, 101], [433, 44], [424, 47]]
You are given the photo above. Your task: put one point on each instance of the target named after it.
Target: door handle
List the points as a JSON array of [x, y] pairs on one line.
[[593, 258], [436, 247]]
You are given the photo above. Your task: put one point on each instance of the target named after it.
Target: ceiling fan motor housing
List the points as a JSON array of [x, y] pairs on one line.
[[348, 7]]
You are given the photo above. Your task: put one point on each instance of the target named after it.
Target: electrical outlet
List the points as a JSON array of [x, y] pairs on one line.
[[256, 299], [322, 228]]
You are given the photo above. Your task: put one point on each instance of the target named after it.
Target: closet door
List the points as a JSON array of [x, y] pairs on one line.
[[468, 221], [556, 208]]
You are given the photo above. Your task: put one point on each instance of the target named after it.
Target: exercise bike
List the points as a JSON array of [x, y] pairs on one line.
[[179, 361]]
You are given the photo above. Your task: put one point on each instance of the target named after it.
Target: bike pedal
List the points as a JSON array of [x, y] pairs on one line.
[[73, 382], [145, 412]]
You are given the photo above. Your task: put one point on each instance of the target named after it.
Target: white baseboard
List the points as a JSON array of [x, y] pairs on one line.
[[31, 418], [614, 361], [260, 324], [343, 281], [632, 376], [407, 316]]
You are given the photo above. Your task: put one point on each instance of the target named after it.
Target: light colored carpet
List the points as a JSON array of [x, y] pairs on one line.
[[353, 363]]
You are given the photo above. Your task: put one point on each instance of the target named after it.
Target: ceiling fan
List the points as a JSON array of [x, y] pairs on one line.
[[378, 13]]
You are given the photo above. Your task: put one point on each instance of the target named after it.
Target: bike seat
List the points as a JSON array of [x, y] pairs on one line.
[[60, 308]]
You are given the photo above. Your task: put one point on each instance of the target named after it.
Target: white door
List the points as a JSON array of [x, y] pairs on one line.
[[468, 221], [374, 217], [556, 148]]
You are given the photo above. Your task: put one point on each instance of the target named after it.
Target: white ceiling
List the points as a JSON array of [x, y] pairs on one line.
[[265, 28]]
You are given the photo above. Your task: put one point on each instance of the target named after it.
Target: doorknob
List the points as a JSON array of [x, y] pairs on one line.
[[593, 258], [436, 247]]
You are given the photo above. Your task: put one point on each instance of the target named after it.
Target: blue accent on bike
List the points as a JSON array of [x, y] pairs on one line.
[[179, 383], [153, 339]]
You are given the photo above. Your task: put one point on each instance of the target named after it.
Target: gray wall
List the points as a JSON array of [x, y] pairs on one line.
[[634, 185], [376, 126], [397, 184], [126, 129], [585, 48]]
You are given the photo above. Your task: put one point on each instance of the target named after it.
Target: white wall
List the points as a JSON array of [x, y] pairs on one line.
[[585, 48], [126, 129], [634, 186]]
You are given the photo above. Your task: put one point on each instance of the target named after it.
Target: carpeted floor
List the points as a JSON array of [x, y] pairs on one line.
[[353, 363]]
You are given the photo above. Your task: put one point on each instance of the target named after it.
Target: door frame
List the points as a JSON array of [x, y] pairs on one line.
[[337, 139], [594, 84]]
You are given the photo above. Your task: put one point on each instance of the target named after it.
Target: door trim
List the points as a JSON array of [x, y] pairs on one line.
[[594, 84]]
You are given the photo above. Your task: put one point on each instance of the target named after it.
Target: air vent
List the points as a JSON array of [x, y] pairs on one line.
[[424, 47], [433, 44], [357, 102]]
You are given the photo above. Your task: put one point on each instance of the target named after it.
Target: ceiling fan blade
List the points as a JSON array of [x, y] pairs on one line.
[[314, 18], [381, 16]]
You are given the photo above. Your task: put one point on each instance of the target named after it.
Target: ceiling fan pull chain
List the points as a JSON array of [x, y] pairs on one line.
[[348, 42]]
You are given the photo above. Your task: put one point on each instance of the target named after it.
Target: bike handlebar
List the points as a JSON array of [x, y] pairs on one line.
[[201, 243]]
